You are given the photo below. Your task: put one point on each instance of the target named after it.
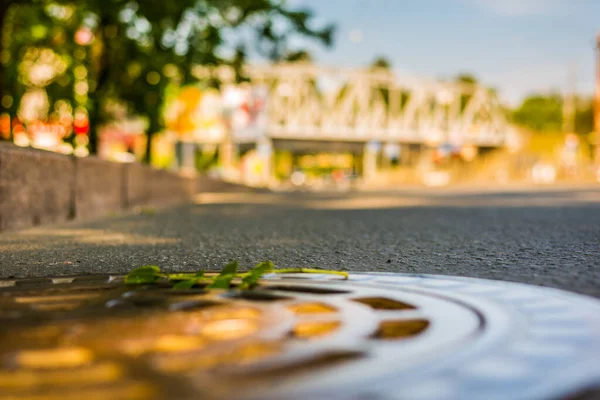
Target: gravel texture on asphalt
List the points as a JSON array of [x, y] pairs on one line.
[[545, 237]]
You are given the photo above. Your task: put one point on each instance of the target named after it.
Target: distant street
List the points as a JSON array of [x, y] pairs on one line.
[[543, 236]]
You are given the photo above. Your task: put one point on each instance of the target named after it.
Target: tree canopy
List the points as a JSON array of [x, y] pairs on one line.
[[381, 62], [130, 51], [467, 78], [544, 113], [541, 113]]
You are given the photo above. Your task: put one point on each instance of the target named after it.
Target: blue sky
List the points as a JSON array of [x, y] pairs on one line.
[[517, 46]]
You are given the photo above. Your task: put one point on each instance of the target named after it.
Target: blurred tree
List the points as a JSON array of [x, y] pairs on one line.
[[584, 117], [141, 47], [467, 78], [540, 113], [3, 11], [381, 62], [544, 113], [37, 56], [164, 40], [42, 51], [299, 56]]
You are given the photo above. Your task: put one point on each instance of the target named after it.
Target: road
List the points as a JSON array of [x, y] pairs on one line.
[[548, 237]]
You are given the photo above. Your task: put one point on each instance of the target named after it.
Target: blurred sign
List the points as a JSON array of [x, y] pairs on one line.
[[246, 111], [196, 115]]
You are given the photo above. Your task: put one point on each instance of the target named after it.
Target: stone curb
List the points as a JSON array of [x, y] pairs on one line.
[[30, 191], [39, 187]]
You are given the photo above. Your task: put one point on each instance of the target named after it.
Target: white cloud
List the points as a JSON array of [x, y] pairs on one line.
[[521, 7]]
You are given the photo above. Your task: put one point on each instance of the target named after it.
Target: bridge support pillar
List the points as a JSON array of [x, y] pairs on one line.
[[264, 148], [188, 157], [370, 161], [390, 155], [185, 156], [227, 154]]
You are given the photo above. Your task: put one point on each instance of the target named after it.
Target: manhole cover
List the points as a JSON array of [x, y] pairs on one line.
[[374, 336]]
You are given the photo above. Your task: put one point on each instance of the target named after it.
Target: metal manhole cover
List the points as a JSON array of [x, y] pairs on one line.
[[374, 336]]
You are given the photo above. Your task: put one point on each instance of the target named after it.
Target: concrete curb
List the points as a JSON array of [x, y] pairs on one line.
[[39, 187], [30, 191], [98, 187]]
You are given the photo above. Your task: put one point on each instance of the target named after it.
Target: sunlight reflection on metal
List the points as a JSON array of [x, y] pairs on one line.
[[371, 334], [54, 358]]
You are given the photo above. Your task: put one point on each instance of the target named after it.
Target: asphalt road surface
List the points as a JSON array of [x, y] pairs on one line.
[[548, 237]]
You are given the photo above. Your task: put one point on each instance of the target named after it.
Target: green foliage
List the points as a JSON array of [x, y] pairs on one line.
[[381, 62], [144, 275], [206, 160], [251, 280], [467, 78], [140, 47], [31, 30], [540, 113], [544, 113], [223, 280], [184, 285], [299, 56], [584, 117], [151, 274], [189, 283]]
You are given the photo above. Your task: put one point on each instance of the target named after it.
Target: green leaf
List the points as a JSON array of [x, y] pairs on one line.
[[187, 276], [223, 280], [189, 282], [142, 275], [181, 277], [230, 268], [184, 285], [250, 280]]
